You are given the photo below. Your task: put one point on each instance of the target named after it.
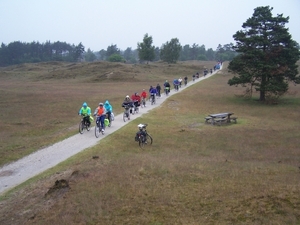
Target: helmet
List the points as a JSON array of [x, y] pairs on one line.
[[127, 96], [101, 103], [84, 104]]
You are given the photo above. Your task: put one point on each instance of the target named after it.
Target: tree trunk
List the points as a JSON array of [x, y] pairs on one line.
[[262, 96]]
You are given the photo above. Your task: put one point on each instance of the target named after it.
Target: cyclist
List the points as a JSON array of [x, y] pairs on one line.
[[85, 111], [176, 84], [158, 88], [152, 92], [127, 104], [167, 87], [185, 80], [144, 96], [180, 81], [108, 109], [136, 100], [100, 112], [194, 76]]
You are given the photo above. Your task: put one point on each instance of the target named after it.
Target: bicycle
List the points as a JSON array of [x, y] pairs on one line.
[[136, 107], [167, 90], [153, 101], [132, 111], [142, 136], [126, 113], [98, 128], [176, 87], [84, 123], [143, 103], [110, 118]]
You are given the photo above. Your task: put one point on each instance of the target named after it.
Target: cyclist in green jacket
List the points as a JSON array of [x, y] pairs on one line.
[[85, 111]]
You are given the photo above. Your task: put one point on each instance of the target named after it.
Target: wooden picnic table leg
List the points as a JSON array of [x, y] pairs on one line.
[[228, 119], [212, 121]]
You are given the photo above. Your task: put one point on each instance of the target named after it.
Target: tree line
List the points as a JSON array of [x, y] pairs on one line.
[[18, 52]]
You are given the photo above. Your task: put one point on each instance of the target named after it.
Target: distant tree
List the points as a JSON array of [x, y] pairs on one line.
[[170, 51], [157, 53], [268, 55], [47, 51], [4, 52], [130, 55], [16, 51], [210, 54], [89, 56], [78, 52], [201, 50], [111, 50], [225, 52], [145, 49], [202, 57], [185, 53], [115, 58], [194, 51], [102, 54]]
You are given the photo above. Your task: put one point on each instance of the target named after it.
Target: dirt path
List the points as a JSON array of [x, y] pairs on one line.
[[17, 172]]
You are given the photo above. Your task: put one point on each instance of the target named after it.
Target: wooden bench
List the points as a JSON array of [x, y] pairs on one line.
[[234, 119], [220, 120], [208, 119]]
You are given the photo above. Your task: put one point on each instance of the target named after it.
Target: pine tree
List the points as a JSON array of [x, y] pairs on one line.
[[268, 55]]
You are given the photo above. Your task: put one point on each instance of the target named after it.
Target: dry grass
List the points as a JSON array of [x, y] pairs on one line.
[[244, 173], [39, 102]]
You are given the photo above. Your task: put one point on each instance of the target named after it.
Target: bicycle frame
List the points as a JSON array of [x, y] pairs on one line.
[[142, 136], [152, 98]]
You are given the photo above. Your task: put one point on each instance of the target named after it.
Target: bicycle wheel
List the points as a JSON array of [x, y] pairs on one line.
[[141, 141], [124, 117], [133, 111], [137, 110], [149, 139], [88, 127], [97, 131], [81, 127]]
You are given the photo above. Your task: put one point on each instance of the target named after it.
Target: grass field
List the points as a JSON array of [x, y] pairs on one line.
[[244, 173]]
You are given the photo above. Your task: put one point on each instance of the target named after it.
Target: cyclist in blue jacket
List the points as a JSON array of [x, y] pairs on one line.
[[108, 109], [176, 84], [152, 92]]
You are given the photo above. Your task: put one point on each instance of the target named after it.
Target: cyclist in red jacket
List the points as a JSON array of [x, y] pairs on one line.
[[144, 97], [136, 99]]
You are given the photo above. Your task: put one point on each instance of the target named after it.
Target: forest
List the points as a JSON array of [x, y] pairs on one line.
[[18, 52]]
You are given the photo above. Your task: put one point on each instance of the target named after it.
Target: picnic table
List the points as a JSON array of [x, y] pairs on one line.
[[218, 118]]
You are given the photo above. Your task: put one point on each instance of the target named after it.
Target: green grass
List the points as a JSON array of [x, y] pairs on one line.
[[194, 173]]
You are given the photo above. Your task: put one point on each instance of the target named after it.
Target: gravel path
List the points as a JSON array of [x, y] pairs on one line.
[[17, 172]]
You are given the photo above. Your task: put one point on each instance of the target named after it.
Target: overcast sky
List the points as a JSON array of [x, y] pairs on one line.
[[98, 24]]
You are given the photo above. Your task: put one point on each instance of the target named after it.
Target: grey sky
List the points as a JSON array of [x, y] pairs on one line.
[[100, 23]]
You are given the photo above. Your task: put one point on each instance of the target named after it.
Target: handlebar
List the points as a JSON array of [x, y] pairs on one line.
[[83, 115]]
